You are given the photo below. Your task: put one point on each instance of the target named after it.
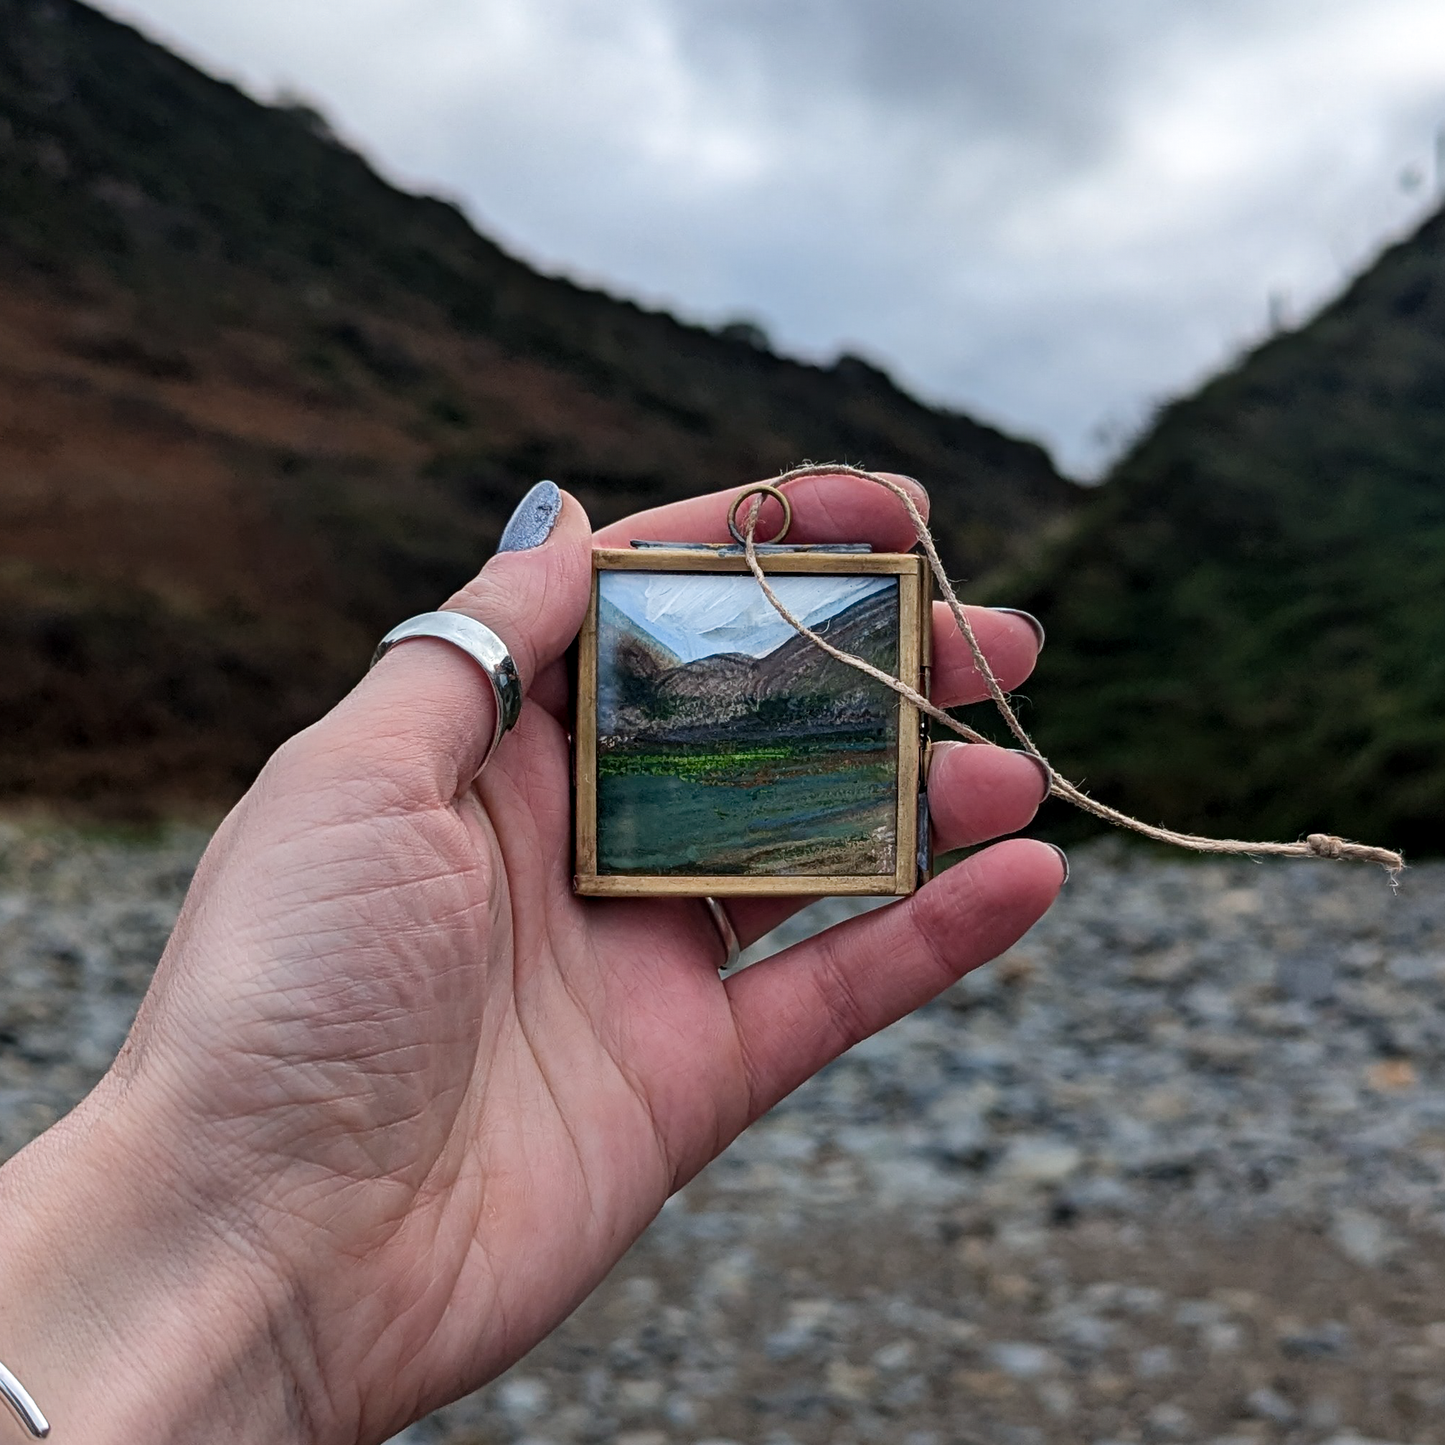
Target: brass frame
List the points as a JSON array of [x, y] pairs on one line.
[[914, 658]]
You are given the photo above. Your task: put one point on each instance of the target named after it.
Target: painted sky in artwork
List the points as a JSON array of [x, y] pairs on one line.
[[699, 614]]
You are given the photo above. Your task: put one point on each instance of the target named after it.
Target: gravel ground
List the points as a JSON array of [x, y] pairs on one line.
[[1173, 1169]]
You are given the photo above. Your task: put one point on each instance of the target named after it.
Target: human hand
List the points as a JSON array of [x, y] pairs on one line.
[[397, 1100]]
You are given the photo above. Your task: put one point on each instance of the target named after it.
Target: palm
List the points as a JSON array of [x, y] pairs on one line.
[[506, 1085], [405, 1037], [615, 1073]]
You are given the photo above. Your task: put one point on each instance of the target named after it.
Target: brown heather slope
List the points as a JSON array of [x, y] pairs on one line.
[[256, 404]]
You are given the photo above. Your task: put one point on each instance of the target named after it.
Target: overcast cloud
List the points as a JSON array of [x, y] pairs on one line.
[[1051, 214]]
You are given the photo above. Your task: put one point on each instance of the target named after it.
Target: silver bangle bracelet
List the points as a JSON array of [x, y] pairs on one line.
[[18, 1398]]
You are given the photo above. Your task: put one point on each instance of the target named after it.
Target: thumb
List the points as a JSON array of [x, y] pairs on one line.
[[428, 705]]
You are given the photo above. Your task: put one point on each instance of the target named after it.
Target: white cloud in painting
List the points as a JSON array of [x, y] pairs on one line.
[[699, 615]]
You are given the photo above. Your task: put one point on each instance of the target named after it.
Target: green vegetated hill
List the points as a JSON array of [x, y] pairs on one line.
[[256, 405], [1247, 625]]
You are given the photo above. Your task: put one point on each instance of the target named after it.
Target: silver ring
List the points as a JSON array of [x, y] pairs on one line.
[[479, 643], [725, 931]]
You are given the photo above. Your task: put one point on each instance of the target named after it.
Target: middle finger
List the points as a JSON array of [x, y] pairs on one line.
[[1009, 640]]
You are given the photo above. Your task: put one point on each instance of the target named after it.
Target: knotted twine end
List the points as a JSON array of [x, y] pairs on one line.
[[1316, 845]]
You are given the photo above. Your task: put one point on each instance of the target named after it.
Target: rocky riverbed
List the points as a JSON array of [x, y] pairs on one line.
[[1173, 1169]]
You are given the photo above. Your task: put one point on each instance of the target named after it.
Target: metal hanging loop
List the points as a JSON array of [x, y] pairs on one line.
[[765, 490]]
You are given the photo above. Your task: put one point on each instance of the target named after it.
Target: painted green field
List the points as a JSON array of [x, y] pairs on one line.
[[805, 806]]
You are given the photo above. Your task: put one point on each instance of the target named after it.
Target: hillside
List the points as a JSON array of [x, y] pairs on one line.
[[1247, 624], [256, 405], [868, 629]]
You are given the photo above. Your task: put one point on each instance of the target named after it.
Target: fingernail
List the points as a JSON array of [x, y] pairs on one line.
[[1028, 617], [1063, 858], [1043, 767], [531, 524]]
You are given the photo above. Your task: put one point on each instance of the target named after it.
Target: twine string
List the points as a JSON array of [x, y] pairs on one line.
[[1316, 845]]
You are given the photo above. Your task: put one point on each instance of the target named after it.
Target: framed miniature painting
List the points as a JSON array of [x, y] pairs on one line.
[[720, 752]]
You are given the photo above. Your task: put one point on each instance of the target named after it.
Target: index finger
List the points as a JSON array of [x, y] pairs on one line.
[[826, 508]]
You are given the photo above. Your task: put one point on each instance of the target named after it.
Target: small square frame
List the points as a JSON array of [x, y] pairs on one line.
[[914, 657]]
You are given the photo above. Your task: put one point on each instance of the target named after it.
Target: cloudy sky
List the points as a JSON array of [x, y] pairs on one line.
[[1051, 213]]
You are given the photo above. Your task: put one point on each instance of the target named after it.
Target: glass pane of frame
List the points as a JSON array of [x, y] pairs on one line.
[[720, 752]]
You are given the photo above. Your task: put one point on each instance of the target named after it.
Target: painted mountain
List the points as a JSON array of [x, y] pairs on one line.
[[775, 761], [649, 696]]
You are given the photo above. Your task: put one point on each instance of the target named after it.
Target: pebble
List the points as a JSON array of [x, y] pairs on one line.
[[1022, 1361], [1362, 1236], [1039, 1160], [1267, 1404]]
